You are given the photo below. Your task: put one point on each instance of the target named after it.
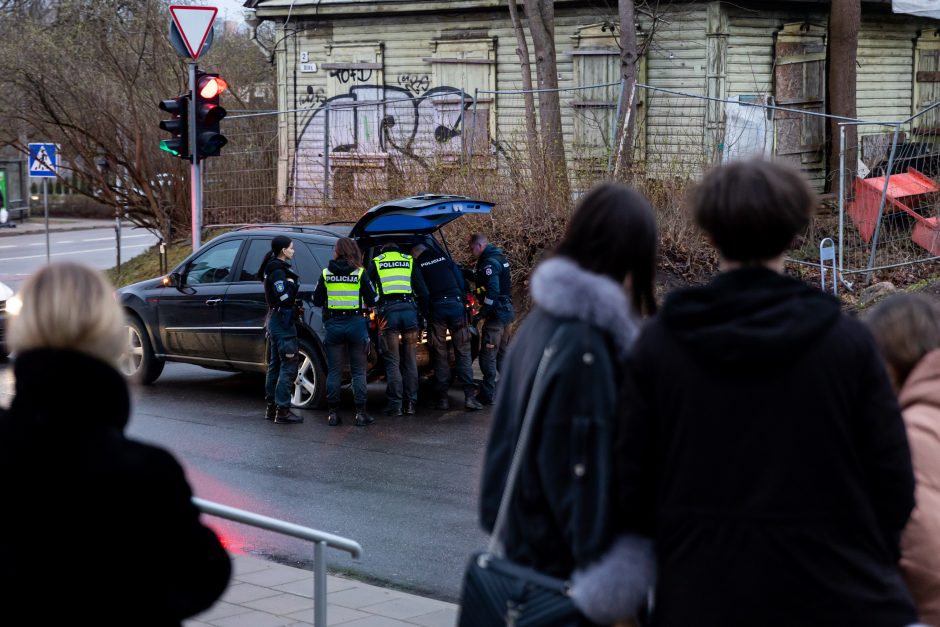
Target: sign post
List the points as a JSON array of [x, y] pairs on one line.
[[194, 25], [44, 163]]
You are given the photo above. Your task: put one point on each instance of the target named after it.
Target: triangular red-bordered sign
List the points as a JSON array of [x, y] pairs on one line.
[[194, 24]]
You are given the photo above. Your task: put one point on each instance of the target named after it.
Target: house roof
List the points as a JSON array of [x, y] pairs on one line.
[[324, 8]]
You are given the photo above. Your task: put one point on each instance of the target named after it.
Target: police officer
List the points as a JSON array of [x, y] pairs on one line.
[[445, 311], [398, 281], [280, 291], [493, 284], [344, 291]]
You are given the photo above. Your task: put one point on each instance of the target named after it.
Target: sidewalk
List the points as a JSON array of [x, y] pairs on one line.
[[35, 225], [267, 594]]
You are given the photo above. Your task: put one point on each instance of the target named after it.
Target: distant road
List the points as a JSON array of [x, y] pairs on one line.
[[21, 255]]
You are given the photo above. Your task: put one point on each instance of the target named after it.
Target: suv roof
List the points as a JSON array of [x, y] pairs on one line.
[[336, 230]]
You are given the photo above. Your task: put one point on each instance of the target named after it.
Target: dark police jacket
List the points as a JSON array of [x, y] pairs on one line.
[[492, 274], [367, 293], [74, 482], [281, 284], [443, 280]]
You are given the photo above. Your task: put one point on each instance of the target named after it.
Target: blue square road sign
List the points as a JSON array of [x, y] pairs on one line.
[[43, 160]]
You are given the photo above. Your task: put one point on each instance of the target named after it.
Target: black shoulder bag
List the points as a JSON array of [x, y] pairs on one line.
[[497, 591]]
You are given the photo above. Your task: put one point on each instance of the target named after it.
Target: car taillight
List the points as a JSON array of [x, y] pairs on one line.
[[373, 322]]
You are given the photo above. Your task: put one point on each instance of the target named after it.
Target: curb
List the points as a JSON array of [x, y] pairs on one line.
[[11, 232]]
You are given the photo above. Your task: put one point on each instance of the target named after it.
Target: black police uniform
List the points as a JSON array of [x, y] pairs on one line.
[[281, 285], [492, 275], [444, 308]]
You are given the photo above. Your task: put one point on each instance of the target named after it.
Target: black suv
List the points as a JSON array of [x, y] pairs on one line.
[[210, 310]]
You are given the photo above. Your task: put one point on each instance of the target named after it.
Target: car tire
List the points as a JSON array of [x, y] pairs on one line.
[[310, 385], [138, 363]]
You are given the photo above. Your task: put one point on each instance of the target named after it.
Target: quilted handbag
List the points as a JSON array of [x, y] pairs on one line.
[[497, 591]]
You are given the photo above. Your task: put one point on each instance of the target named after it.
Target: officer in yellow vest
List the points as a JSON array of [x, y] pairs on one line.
[[398, 284], [344, 291]]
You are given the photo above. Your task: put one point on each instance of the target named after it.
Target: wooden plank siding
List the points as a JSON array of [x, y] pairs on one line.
[[683, 54]]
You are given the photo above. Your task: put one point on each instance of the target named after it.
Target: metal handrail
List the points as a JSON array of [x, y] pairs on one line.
[[321, 540]]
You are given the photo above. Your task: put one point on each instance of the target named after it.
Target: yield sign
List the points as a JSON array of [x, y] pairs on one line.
[[194, 24]]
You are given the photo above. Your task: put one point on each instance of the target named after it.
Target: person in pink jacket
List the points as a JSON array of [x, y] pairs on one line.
[[907, 330]]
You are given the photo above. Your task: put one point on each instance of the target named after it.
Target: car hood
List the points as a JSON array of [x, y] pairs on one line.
[[416, 215], [5, 291]]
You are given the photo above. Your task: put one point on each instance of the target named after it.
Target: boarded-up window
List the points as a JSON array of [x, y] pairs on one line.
[[596, 61], [460, 69], [800, 83], [353, 82], [927, 82]]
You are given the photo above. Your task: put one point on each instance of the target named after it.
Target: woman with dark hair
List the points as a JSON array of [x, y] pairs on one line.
[[344, 292], [587, 300], [280, 291]]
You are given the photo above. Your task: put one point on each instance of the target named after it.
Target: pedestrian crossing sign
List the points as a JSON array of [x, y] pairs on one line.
[[43, 160]]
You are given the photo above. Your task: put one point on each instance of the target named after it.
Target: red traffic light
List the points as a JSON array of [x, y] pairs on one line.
[[211, 86]]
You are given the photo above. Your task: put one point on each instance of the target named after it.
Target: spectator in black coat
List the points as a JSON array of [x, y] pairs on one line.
[[764, 448], [589, 296], [98, 529]]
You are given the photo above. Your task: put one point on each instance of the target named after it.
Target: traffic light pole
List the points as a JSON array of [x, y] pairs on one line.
[[195, 175]]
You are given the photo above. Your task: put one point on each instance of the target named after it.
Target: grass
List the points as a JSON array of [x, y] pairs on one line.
[[147, 264]]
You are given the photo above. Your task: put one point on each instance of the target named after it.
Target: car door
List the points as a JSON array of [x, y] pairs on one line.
[[190, 316], [244, 311]]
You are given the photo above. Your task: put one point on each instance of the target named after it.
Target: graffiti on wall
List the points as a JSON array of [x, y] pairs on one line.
[[410, 120], [351, 75]]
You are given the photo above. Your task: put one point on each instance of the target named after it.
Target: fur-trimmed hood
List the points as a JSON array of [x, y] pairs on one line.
[[564, 289]]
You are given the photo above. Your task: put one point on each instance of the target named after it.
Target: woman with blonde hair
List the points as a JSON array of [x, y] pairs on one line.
[[77, 488], [907, 330]]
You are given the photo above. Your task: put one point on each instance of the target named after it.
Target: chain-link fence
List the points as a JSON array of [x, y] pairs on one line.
[[241, 185], [889, 203], [352, 151]]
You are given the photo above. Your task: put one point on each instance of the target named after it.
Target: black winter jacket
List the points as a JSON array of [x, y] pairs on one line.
[[111, 517], [765, 451], [562, 513]]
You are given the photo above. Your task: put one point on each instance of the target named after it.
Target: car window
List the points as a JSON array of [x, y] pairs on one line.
[[305, 265], [322, 253], [257, 249], [214, 265]]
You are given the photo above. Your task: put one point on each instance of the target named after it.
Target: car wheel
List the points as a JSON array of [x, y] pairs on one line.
[[310, 385], [138, 362]]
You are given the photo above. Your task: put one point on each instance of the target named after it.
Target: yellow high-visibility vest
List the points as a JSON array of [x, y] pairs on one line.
[[394, 270], [342, 290]]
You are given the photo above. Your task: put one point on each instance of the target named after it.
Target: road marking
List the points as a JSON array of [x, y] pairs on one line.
[[111, 239], [74, 252]]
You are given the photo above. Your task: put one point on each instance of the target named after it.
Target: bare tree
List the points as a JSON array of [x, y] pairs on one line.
[[844, 22], [541, 19], [628, 59], [522, 51], [88, 75]]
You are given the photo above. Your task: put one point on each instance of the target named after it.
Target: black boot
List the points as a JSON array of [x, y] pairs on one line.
[[408, 408], [270, 411], [333, 418], [285, 417], [442, 403], [470, 401], [362, 418]]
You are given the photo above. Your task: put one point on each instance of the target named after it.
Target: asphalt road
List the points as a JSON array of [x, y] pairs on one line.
[[404, 488], [21, 255]]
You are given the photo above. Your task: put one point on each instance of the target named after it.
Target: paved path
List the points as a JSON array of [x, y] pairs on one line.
[[265, 594]]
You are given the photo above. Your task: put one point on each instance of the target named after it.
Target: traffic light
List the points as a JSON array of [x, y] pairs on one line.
[[209, 139], [178, 126]]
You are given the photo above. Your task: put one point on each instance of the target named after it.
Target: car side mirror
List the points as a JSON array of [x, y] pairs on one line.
[[173, 279]]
